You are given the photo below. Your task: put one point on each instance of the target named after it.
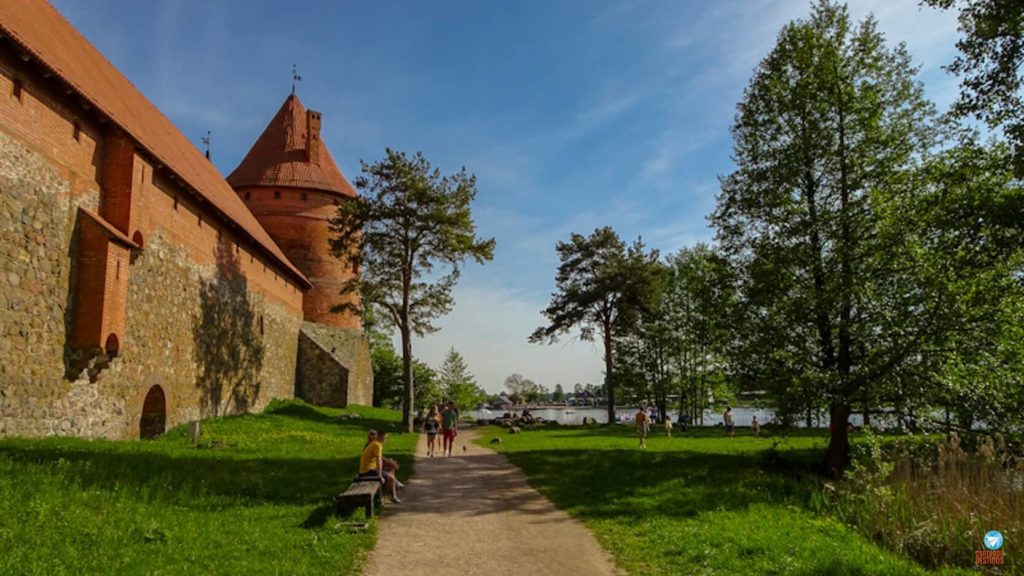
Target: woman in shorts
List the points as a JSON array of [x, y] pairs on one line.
[[431, 426]]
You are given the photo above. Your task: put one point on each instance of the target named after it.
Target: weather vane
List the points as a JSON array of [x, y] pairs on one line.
[[295, 77], [206, 142]]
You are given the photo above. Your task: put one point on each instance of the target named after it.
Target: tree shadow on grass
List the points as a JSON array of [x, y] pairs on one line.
[[319, 516], [188, 480], [610, 484], [302, 411]]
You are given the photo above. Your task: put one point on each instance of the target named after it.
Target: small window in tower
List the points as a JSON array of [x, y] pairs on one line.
[[76, 132], [277, 194], [261, 325], [117, 269], [175, 203], [16, 89], [305, 196], [355, 267]]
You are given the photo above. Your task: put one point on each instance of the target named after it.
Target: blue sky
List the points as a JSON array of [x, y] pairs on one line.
[[573, 115]]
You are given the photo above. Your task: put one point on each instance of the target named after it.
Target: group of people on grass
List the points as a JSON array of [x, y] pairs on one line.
[[374, 467], [643, 424]]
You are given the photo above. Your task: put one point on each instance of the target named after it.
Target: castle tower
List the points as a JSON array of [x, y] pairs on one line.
[[290, 183]]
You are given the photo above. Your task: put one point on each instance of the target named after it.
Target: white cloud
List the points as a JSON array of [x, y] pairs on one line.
[[490, 326]]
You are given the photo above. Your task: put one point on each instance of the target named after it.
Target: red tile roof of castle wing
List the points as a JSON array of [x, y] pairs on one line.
[[278, 158], [47, 37]]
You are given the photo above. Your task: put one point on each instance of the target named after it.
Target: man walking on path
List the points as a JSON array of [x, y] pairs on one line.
[[642, 427], [449, 428]]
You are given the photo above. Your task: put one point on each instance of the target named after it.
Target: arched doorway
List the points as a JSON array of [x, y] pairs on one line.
[[112, 345], [154, 414]]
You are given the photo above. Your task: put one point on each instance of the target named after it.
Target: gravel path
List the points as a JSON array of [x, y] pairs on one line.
[[474, 513]]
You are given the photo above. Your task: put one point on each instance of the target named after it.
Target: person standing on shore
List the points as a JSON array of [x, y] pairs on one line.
[[755, 426], [449, 428], [730, 425], [642, 427]]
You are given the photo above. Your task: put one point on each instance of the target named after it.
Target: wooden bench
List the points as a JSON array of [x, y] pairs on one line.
[[360, 494]]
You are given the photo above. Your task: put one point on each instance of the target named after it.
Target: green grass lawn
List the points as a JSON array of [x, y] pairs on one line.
[[697, 503], [252, 498]]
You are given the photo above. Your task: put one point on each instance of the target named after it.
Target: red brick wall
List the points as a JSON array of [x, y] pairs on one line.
[[116, 180], [45, 119], [297, 220]]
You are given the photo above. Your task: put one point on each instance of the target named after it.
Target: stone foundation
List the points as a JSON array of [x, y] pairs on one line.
[[334, 367], [198, 331]]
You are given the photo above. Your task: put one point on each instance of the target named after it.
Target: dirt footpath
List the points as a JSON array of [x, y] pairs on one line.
[[474, 513]]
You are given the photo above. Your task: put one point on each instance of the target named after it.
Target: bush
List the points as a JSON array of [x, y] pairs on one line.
[[934, 499]]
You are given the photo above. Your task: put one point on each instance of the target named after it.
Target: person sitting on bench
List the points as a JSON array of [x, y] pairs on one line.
[[371, 465]]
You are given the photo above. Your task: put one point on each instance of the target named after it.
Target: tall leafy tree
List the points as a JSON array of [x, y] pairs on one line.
[[990, 66], [827, 130], [559, 394], [600, 284], [415, 230], [698, 301], [519, 388], [968, 246], [458, 384]]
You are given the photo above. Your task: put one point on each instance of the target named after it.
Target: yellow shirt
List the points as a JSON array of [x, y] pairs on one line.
[[368, 461]]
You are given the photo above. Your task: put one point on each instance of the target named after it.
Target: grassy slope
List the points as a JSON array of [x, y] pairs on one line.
[[252, 499], [698, 503]]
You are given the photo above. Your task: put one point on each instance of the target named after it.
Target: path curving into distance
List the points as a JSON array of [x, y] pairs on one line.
[[475, 514]]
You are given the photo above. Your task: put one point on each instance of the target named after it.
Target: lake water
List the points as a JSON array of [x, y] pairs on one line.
[[571, 415]]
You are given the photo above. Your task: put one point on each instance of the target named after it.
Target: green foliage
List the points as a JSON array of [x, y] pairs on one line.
[[520, 389], [989, 65], [458, 384], [428, 384], [387, 376], [933, 498], [830, 128], [559, 394], [601, 285], [411, 223], [967, 246], [253, 498], [697, 503], [388, 386]]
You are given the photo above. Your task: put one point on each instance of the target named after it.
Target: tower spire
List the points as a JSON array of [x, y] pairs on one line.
[[295, 77]]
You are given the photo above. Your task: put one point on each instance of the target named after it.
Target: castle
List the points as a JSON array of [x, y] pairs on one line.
[[140, 288]]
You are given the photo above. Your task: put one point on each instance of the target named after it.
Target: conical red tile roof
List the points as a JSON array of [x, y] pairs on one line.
[[279, 157]]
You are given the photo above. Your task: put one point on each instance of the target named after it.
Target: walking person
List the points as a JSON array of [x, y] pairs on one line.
[[668, 426], [642, 426], [449, 428], [730, 425], [755, 426], [431, 426]]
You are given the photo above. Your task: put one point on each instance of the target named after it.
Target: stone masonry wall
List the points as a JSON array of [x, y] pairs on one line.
[[195, 329], [334, 366]]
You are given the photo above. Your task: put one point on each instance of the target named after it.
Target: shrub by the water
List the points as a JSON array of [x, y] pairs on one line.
[[934, 499]]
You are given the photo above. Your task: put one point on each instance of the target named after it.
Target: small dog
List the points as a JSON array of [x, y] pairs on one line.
[[495, 440]]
